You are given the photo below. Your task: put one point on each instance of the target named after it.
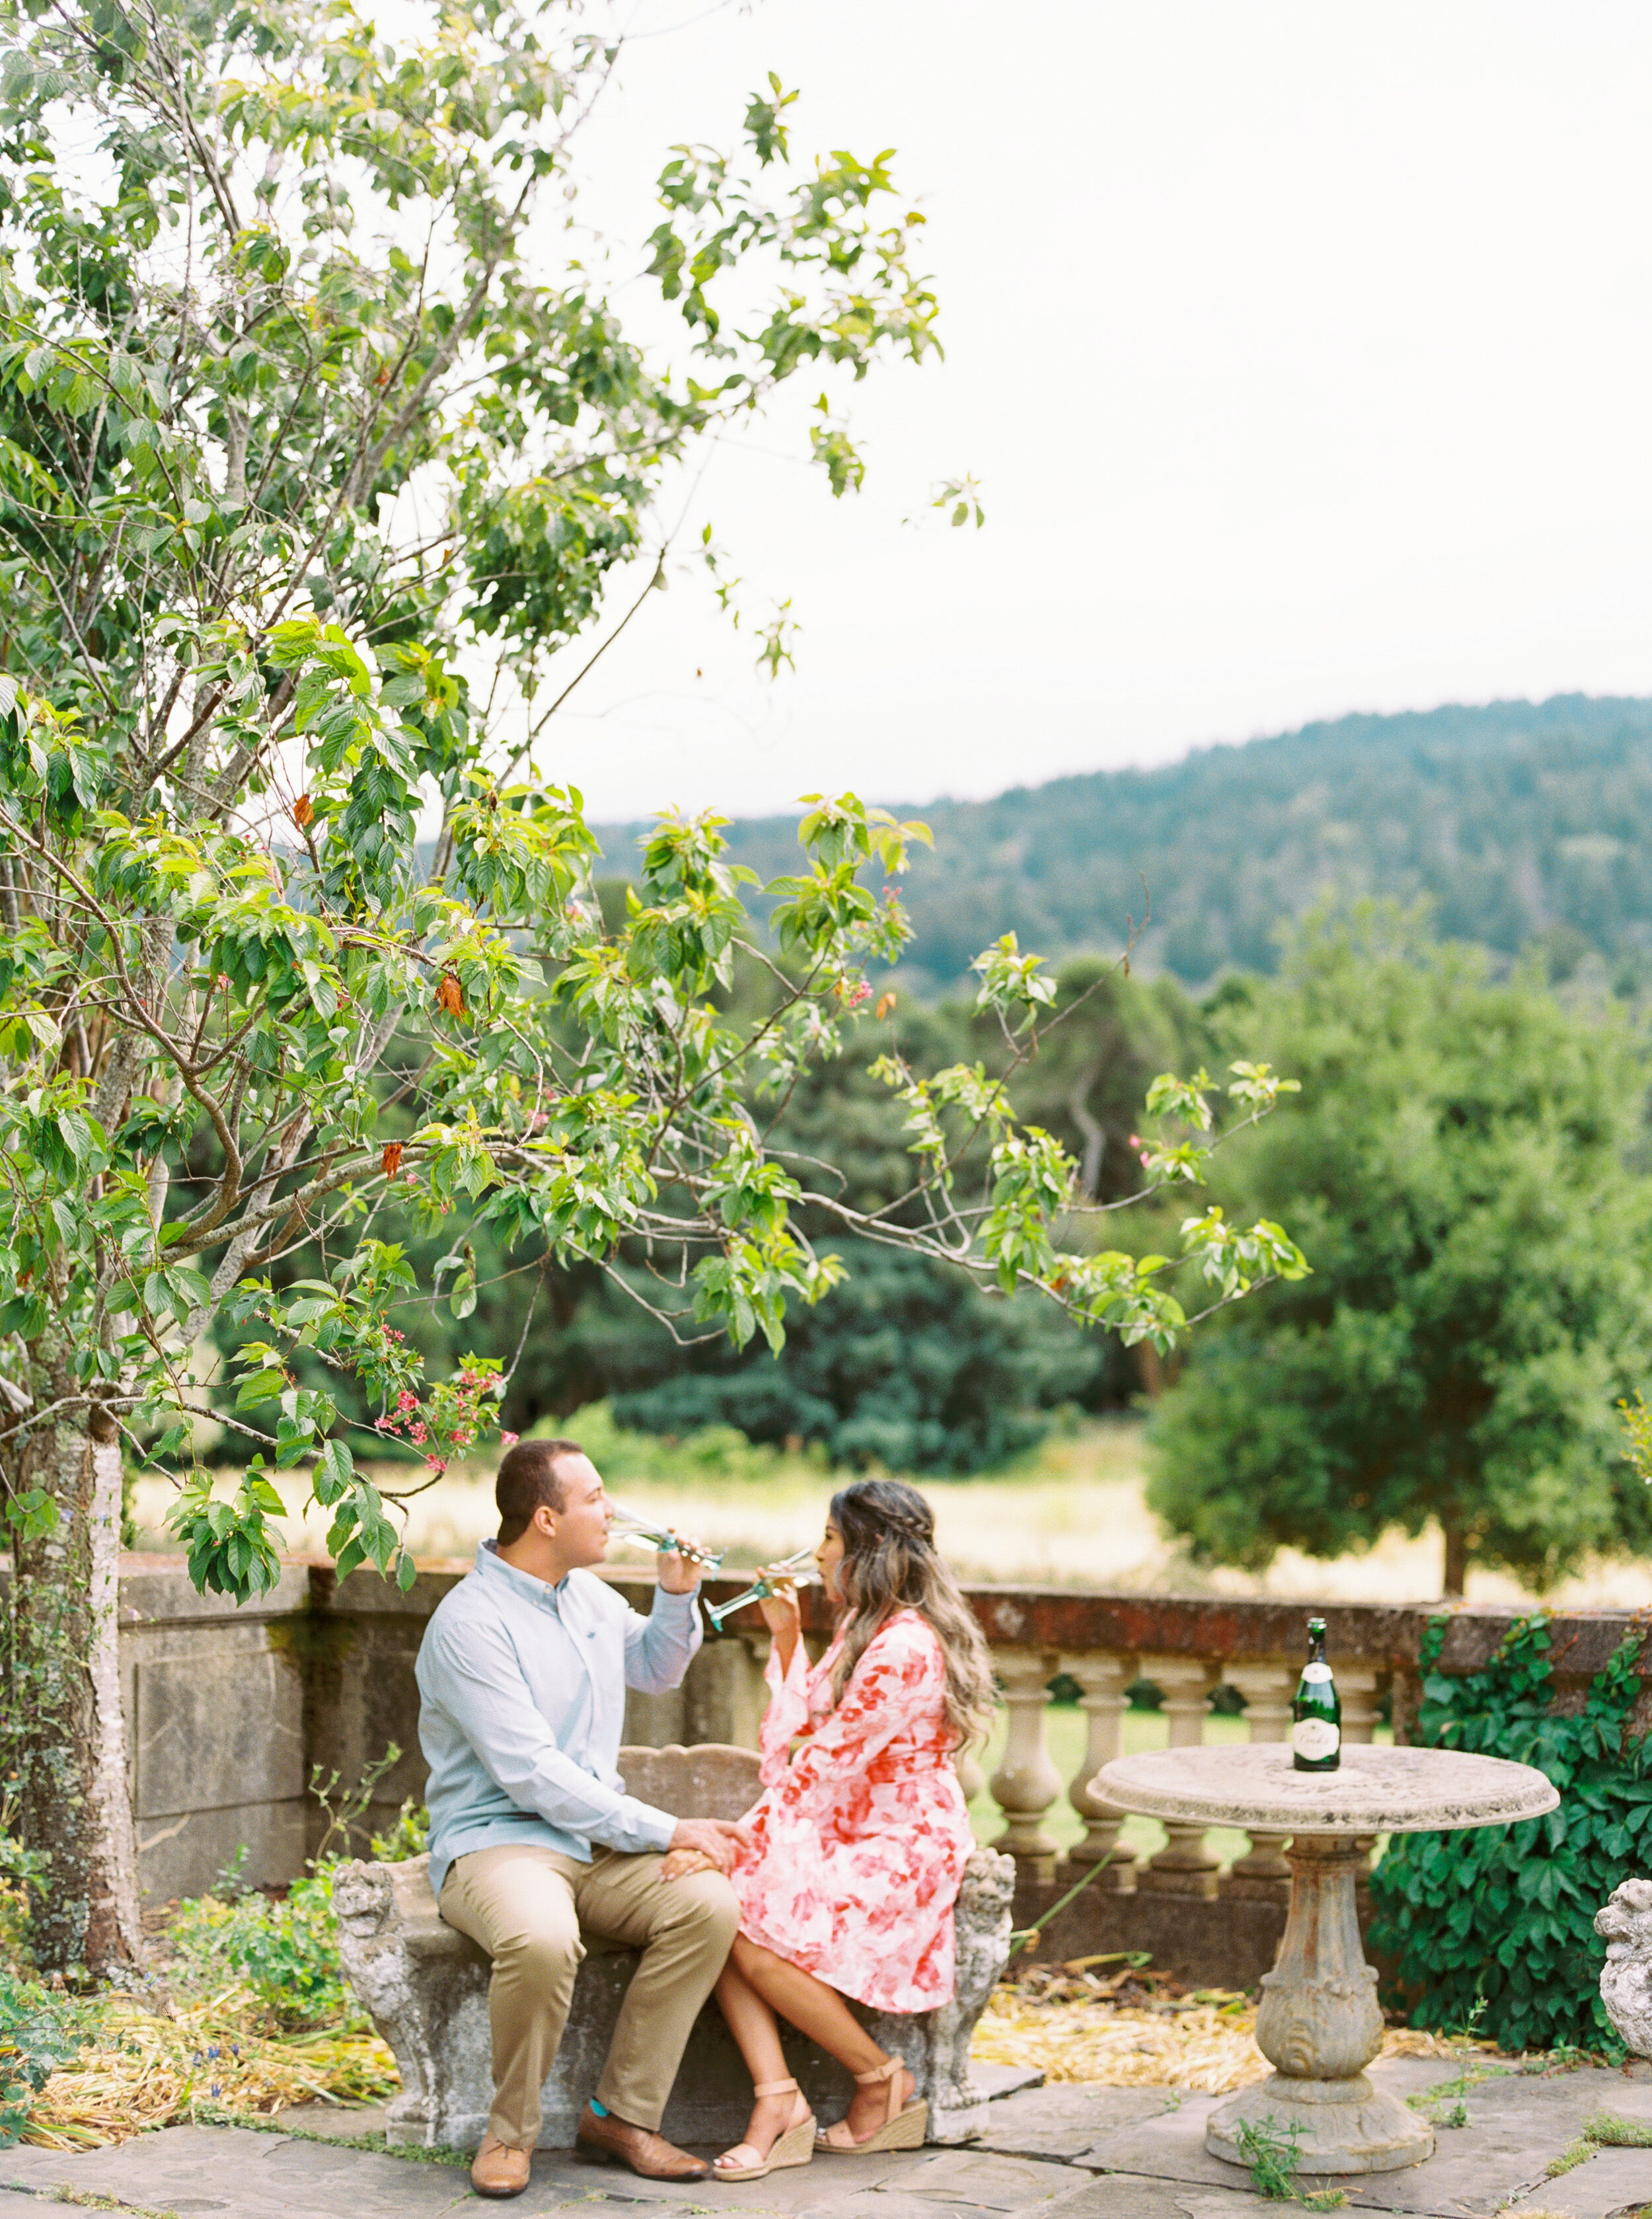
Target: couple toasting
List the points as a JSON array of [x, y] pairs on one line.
[[839, 1883]]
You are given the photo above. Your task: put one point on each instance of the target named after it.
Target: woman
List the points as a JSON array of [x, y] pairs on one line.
[[858, 1846]]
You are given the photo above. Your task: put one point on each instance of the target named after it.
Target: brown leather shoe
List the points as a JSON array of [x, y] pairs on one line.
[[497, 2169], [646, 2152]]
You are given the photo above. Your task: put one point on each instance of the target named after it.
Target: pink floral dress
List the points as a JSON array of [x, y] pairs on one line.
[[860, 1838]]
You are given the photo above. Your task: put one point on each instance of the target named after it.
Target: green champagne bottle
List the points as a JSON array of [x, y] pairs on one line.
[[1316, 1737]]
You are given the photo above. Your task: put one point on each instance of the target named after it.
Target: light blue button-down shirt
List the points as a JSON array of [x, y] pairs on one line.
[[523, 1701]]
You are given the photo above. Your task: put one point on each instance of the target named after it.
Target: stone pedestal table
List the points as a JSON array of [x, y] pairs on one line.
[[1319, 2023]]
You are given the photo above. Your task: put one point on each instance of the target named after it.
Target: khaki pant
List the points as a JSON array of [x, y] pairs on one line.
[[528, 1906]]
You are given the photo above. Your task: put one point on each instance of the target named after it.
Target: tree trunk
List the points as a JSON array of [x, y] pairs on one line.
[[76, 1810], [1456, 1558]]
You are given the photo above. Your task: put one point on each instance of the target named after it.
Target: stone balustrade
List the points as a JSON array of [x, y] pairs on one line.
[[1027, 1784], [1217, 1923], [228, 1711]]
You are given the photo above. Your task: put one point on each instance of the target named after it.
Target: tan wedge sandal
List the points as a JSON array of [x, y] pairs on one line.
[[795, 2146], [902, 2128]]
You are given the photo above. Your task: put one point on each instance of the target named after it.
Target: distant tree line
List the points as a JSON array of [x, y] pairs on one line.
[[1519, 821]]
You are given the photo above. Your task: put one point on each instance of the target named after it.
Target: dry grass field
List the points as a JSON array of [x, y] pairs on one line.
[[1072, 1515]]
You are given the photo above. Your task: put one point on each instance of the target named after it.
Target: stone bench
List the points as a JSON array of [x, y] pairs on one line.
[[1626, 1926], [425, 1987]]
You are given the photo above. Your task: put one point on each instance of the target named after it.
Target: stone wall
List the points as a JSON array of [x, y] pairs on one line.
[[217, 1737], [229, 1710]]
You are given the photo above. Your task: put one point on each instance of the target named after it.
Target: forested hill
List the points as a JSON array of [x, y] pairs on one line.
[[1522, 822]]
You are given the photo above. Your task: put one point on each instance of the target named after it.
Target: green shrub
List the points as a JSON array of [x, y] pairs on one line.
[[408, 1838], [907, 1366], [1502, 1917], [37, 2033], [287, 1953]]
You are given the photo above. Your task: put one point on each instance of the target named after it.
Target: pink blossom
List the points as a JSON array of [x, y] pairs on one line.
[[406, 1401], [417, 1434], [509, 1440]]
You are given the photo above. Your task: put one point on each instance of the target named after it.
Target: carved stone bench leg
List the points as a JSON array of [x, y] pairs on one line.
[[1626, 1926], [935, 2045]]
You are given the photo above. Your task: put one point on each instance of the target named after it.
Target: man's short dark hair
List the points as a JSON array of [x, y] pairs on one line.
[[528, 1477]]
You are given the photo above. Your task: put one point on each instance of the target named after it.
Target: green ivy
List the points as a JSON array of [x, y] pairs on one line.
[[37, 2033], [1500, 1921]]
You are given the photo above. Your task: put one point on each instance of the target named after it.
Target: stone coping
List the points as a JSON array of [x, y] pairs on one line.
[[1377, 1790], [1063, 1621]]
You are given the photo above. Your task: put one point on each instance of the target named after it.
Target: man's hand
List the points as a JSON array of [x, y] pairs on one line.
[[699, 1843], [678, 1575]]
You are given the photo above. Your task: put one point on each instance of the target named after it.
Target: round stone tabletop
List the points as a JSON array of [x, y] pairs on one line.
[[1377, 1790]]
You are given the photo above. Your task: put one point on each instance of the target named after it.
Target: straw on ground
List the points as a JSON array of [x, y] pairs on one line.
[[1132, 2030], [199, 2062]]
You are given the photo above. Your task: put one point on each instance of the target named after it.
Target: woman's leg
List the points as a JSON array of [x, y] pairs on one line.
[[758, 2037], [822, 2014]]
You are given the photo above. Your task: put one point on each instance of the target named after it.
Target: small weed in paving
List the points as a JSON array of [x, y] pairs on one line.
[[374, 2144], [1271, 2152], [1435, 2103], [1613, 2133], [1443, 2090], [87, 2200], [1603, 2131]]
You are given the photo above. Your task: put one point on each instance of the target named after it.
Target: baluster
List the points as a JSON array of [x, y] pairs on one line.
[[1102, 1682], [1267, 1689], [1184, 1866], [1357, 1684], [971, 1778], [1027, 1782]]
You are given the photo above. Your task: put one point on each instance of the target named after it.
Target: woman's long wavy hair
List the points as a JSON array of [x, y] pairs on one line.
[[890, 1563]]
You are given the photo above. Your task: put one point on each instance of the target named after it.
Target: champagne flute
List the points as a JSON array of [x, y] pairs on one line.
[[796, 1570], [643, 1534]]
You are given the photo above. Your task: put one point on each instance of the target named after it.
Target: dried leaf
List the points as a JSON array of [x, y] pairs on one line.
[[303, 812], [390, 1161], [448, 996]]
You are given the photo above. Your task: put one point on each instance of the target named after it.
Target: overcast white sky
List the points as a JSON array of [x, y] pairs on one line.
[[1303, 351]]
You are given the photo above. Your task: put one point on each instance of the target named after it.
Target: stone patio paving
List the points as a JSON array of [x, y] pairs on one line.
[[1050, 2152]]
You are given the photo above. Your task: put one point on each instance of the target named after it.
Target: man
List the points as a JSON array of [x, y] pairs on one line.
[[534, 1841]]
